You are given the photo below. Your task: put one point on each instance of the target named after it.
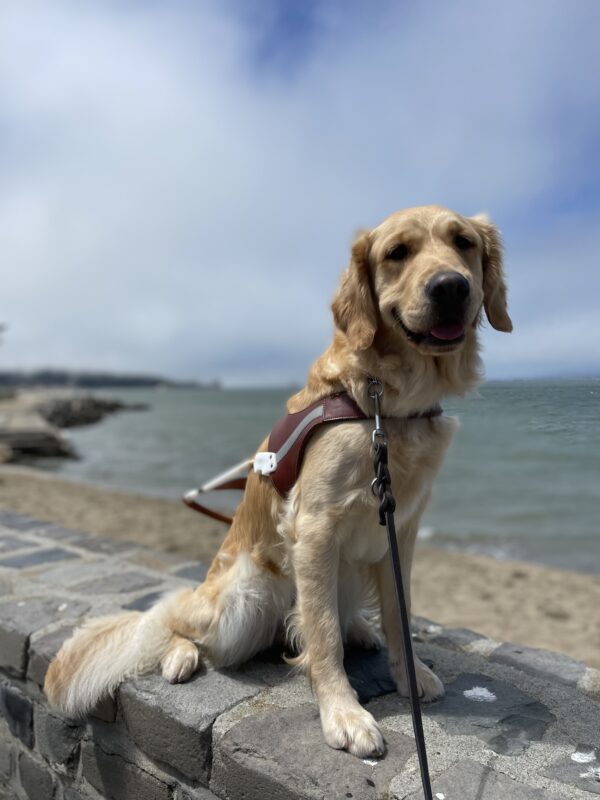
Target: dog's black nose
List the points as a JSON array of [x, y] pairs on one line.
[[448, 288]]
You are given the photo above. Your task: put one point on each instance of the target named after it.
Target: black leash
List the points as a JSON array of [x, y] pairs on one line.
[[381, 486]]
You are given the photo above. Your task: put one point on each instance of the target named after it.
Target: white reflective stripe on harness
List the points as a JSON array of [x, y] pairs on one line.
[[265, 463]]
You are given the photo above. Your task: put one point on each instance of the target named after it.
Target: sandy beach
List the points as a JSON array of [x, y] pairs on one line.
[[507, 600]]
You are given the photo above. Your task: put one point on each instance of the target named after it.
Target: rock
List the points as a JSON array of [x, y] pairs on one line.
[[120, 582], [36, 779], [195, 572], [581, 769], [144, 602], [6, 760], [17, 710], [469, 780], [42, 649], [554, 666], [19, 619], [39, 557], [118, 779], [72, 411], [369, 673], [281, 755], [28, 434], [506, 718], [173, 723], [55, 738]]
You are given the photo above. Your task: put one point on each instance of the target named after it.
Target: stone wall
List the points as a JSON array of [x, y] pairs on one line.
[[515, 722]]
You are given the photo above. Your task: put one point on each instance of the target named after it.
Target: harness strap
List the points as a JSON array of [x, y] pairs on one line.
[[290, 435], [234, 478], [287, 442]]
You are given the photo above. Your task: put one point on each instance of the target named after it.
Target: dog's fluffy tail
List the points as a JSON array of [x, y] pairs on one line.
[[105, 651]]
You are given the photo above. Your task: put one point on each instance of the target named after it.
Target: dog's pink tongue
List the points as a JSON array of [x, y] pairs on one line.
[[447, 331]]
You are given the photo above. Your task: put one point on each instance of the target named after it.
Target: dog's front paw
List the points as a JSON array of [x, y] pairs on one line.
[[180, 663], [429, 685], [352, 729]]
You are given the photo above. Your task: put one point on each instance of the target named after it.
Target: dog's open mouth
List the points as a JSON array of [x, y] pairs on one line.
[[443, 334]]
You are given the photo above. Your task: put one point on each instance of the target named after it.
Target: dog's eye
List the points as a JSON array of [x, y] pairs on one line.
[[398, 253], [462, 242]]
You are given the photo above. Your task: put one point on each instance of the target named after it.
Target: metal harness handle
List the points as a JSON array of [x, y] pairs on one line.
[[381, 487]]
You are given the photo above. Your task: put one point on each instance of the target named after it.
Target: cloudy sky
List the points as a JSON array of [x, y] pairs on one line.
[[180, 182]]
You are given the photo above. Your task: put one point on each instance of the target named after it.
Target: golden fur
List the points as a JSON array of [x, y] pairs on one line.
[[317, 560]]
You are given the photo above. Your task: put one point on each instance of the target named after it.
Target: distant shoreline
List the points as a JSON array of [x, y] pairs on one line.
[[83, 379]]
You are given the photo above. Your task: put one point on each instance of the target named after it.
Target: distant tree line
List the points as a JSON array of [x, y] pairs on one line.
[[93, 380]]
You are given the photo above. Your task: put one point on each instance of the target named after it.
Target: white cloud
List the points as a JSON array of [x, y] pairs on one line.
[[166, 206]]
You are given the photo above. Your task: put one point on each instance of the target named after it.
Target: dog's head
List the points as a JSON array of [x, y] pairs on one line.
[[422, 277]]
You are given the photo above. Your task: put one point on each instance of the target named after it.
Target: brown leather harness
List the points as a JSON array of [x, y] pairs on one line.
[[287, 443]]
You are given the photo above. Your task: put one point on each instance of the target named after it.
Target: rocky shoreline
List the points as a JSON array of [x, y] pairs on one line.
[[72, 412], [31, 422]]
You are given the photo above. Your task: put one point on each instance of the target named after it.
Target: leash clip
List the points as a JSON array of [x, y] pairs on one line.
[[376, 393]]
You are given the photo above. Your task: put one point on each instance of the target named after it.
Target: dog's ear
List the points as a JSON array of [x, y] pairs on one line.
[[353, 308], [494, 282]]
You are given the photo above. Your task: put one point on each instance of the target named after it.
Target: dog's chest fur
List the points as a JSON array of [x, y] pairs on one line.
[[338, 470]]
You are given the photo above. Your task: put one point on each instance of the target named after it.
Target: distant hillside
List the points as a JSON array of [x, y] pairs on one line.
[[93, 380]]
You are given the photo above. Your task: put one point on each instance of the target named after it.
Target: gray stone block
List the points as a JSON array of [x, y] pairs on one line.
[[200, 793], [369, 673], [144, 602], [543, 663], [173, 723], [192, 572], [469, 780], [17, 710], [281, 755], [154, 559], [424, 629], [504, 717], [116, 583], [74, 794], [117, 779], [105, 710], [56, 738], [19, 619], [20, 522], [9, 543], [97, 545], [42, 649], [37, 558], [6, 759], [58, 533], [580, 770], [65, 576], [36, 779], [457, 639]]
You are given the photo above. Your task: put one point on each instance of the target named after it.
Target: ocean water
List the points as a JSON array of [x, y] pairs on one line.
[[522, 478]]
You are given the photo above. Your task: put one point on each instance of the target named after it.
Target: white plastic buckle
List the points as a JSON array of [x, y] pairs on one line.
[[265, 463]]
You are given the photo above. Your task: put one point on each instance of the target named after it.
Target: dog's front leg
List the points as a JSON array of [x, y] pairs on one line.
[[346, 724], [429, 685]]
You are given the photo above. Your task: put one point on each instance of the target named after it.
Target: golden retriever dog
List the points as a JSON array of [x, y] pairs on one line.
[[407, 311]]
